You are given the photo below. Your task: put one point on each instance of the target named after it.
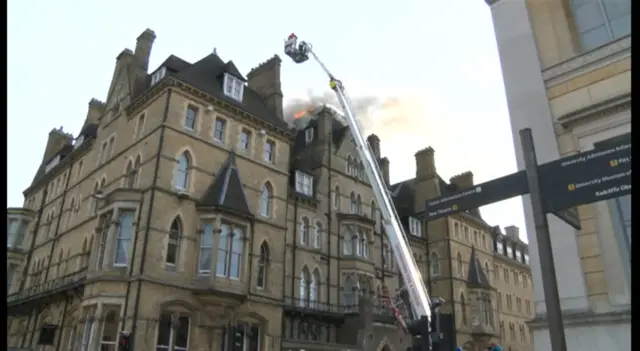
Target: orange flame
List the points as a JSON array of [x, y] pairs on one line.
[[300, 114]]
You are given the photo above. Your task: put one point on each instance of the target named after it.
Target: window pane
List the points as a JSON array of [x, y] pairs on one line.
[[588, 15], [172, 249], [595, 38], [164, 330], [182, 332], [616, 9], [125, 232], [254, 338], [621, 26], [110, 328], [223, 250], [206, 246]]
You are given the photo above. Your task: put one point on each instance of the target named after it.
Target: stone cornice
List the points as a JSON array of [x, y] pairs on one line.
[[600, 110], [587, 62], [576, 318]]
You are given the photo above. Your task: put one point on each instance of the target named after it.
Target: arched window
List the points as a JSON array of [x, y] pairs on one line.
[[265, 200], [59, 272], [181, 176], [435, 265], [347, 242], [72, 207], [129, 175], [305, 280], [601, 21], [486, 270], [357, 242], [304, 231], [349, 165], [387, 256], [314, 287], [373, 210], [365, 244], [136, 170], [359, 205], [173, 244], [263, 260], [349, 293], [364, 288], [459, 265], [353, 202], [317, 235], [502, 331], [463, 308], [337, 198]]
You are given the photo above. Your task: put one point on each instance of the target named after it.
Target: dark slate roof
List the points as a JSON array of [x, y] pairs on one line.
[[207, 75], [231, 68], [476, 275], [64, 152], [226, 190], [404, 195]]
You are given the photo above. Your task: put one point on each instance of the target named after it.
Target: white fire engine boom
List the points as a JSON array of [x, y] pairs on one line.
[[418, 295]]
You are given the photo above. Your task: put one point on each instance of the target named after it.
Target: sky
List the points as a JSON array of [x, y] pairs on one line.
[[433, 66]]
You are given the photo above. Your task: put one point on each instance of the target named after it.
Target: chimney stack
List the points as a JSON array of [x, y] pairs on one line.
[[512, 232], [425, 163], [95, 111], [374, 144], [144, 45], [265, 80], [57, 140], [384, 167], [462, 180]]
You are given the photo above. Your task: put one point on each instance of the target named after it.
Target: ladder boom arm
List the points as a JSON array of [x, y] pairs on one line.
[[420, 301]]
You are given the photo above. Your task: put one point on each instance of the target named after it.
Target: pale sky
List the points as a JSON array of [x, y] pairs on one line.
[[439, 58]]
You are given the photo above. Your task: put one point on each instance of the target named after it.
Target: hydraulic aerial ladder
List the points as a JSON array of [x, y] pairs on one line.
[[424, 309]]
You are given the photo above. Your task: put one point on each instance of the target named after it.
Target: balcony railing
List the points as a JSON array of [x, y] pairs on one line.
[[381, 310], [317, 306], [60, 284]]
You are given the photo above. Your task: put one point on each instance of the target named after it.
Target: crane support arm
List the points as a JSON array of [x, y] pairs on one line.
[[418, 295]]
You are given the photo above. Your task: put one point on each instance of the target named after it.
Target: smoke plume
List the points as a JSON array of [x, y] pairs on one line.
[[389, 116]]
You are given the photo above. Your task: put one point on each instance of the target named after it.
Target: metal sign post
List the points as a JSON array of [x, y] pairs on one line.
[[545, 252], [556, 187]]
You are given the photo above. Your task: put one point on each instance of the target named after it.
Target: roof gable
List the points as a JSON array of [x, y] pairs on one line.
[[476, 275], [226, 191]]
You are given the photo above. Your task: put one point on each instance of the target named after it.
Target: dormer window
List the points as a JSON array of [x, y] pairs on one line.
[[233, 87], [518, 256], [308, 135], [526, 258], [79, 141], [415, 227], [52, 164], [158, 75], [500, 247], [509, 251], [304, 183]]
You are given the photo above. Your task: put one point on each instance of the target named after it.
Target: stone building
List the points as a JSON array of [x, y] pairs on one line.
[[187, 212], [480, 272], [567, 74]]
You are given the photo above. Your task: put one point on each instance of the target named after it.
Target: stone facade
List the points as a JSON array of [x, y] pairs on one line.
[[573, 89], [188, 213]]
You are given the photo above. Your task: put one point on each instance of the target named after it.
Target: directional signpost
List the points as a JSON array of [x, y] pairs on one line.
[[584, 178], [555, 187]]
